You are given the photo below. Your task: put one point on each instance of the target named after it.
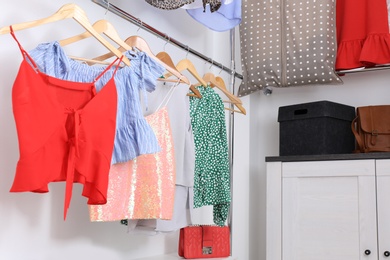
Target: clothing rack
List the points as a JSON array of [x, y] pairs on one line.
[[116, 10], [233, 75]]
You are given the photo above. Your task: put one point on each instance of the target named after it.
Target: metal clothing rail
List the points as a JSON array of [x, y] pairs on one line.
[[379, 67], [150, 29]]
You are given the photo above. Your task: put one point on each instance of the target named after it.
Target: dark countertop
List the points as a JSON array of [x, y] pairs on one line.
[[328, 157]]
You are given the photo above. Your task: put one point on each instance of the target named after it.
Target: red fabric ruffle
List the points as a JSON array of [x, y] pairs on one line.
[[374, 50], [348, 54]]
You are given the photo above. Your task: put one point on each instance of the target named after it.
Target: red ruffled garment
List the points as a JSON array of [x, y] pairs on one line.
[[363, 37]]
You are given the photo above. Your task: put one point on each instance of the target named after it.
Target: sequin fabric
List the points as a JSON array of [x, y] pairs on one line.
[[212, 174], [142, 188]]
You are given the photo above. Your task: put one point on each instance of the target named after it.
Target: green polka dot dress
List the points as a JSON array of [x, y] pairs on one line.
[[212, 174]]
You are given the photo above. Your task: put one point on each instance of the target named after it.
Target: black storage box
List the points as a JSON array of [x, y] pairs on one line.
[[321, 127]]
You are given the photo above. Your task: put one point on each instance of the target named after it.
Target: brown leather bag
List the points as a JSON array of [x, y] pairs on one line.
[[371, 128]]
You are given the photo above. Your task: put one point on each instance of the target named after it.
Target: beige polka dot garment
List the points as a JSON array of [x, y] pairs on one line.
[[287, 43]]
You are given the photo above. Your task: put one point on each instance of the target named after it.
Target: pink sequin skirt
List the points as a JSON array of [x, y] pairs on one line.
[[143, 188]]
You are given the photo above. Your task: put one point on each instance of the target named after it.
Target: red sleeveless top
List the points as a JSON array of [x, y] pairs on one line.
[[65, 131]]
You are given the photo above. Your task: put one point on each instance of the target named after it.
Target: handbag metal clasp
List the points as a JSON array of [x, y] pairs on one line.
[[207, 250]]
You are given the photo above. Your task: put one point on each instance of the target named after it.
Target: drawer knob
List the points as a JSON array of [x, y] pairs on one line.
[[387, 253], [367, 252]]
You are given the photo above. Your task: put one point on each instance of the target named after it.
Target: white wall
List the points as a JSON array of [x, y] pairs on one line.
[[31, 225]]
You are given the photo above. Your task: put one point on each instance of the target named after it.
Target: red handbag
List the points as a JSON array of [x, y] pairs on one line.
[[204, 241]]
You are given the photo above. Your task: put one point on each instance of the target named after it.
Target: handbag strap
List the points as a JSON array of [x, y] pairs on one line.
[[357, 136]]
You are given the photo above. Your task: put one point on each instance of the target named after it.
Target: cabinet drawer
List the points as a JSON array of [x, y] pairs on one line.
[[328, 168]]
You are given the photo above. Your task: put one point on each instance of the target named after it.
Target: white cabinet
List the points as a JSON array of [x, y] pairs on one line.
[[328, 210]]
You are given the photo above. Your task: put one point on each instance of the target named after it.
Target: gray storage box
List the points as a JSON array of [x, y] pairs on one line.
[[321, 127]]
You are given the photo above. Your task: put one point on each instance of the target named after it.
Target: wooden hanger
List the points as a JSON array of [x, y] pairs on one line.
[[142, 45], [102, 27], [186, 64], [68, 11], [219, 83], [166, 58]]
